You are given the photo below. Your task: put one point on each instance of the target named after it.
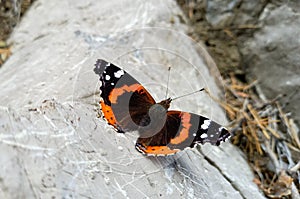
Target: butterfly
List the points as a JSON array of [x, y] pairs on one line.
[[128, 106]]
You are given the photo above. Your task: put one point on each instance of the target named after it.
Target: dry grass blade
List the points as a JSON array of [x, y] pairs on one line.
[[256, 123], [257, 119], [5, 52]]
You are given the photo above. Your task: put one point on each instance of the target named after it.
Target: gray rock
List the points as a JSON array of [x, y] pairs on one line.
[[53, 145], [221, 13], [273, 55]]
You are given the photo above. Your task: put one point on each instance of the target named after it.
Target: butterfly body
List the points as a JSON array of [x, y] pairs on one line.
[[128, 106]]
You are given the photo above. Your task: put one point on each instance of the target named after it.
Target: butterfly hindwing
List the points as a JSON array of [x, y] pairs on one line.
[[182, 130]]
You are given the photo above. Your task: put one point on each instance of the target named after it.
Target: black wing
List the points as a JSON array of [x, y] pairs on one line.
[[124, 101], [181, 130]]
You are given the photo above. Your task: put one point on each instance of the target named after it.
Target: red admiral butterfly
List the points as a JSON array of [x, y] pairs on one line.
[[127, 106]]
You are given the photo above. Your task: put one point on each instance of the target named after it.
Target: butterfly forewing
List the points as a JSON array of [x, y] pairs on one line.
[[124, 101]]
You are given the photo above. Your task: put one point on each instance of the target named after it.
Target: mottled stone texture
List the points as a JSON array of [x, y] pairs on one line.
[[272, 56], [52, 143]]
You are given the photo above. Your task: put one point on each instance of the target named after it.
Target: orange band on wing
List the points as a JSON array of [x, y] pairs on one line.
[[157, 150], [184, 133], [108, 113], [116, 92]]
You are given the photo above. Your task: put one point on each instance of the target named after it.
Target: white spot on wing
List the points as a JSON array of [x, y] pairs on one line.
[[205, 124], [194, 134], [204, 135], [119, 73], [107, 77]]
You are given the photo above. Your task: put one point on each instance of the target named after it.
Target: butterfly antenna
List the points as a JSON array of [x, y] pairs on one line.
[[202, 89], [169, 71]]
